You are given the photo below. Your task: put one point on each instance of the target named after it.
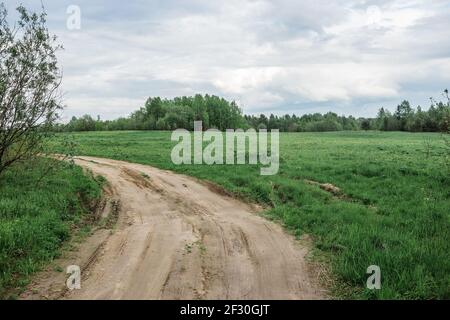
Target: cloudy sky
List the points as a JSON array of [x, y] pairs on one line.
[[287, 56]]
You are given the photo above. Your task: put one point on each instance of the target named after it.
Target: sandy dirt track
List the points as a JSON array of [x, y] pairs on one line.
[[179, 238]]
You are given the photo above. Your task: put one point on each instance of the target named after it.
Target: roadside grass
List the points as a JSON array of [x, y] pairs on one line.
[[394, 211], [38, 211]]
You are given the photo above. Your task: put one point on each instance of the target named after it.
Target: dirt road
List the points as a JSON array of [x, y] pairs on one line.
[[178, 238]]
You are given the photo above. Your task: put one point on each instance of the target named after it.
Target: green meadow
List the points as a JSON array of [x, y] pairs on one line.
[[392, 208]]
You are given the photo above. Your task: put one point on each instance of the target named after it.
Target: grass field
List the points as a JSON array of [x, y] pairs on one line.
[[38, 211], [393, 210]]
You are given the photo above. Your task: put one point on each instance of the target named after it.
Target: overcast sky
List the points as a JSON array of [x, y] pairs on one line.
[[287, 56]]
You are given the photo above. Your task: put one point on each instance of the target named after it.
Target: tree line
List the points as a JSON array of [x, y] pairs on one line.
[[405, 118], [168, 114], [216, 112]]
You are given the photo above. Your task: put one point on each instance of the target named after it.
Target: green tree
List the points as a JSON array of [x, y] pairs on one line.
[[29, 83], [154, 107], [365, 124], [404, 114]]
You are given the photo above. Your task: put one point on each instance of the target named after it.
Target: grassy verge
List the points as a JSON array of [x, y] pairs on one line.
[[37, 214], [393, 210]]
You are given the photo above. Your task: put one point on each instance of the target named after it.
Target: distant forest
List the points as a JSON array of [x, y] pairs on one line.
[[216, 112]]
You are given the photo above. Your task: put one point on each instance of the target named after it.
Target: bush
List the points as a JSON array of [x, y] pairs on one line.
[[324, 125]]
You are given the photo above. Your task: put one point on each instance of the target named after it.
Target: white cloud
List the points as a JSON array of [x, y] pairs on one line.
[[268, 55]]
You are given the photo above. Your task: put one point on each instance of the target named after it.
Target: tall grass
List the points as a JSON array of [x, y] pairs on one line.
[[38, 209]]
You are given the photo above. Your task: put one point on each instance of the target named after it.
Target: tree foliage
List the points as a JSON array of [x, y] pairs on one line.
[[29, 82], [405, 118], [169, 114]]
